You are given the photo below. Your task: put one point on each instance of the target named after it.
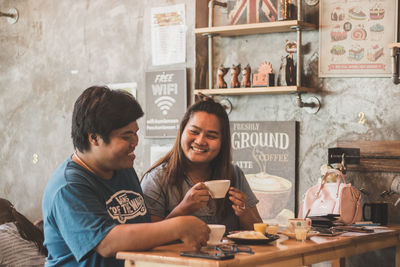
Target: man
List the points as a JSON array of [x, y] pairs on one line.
[[93, 204]]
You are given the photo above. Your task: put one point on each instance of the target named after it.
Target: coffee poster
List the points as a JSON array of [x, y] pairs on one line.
[[266, 152], [165, 102]]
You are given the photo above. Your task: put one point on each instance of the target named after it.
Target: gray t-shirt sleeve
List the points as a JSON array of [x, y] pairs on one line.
[[241, 183], [154, 195]]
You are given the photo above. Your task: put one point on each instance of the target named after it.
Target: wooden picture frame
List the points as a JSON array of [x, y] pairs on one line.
[[354, 37]]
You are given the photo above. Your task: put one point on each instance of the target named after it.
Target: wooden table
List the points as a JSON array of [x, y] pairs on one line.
[[280, 253]]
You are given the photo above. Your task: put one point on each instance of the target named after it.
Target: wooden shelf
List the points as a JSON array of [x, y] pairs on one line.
[[374, 148], [256, 28], [394, 45], [255, 90]]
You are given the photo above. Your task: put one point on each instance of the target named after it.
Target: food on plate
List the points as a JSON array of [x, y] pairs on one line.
[[377, 31], [248, 235]]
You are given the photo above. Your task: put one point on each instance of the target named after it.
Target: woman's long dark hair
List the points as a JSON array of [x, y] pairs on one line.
[[26, 229], [221, 165]]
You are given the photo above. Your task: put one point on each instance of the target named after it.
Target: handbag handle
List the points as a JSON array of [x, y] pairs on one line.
[[323, 180], [329, 171]]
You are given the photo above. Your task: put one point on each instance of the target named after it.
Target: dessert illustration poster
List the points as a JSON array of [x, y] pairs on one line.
[[266, 152], [354, 37]]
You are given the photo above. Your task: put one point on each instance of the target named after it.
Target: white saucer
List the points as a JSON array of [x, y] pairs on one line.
[[293, 235]]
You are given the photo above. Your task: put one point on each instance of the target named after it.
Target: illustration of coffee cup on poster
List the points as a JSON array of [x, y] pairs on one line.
[[266, 152]]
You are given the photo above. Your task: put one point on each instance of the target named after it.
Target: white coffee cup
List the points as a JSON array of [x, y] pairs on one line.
[[218, 188], [216, 234]]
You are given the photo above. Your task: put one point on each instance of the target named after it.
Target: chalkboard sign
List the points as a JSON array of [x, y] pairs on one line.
[[266, 152], [165, 102]]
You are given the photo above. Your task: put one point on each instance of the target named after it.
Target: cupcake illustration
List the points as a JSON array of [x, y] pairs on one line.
[[376, 31], [338, 34]]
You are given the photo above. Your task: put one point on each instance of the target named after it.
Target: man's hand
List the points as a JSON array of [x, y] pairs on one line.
[[194, 233]]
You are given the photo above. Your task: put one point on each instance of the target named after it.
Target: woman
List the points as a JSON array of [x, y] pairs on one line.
[[21, 242], [174, 185]]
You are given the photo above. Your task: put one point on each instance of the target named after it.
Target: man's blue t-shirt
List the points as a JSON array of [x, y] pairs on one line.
[[80, 208]]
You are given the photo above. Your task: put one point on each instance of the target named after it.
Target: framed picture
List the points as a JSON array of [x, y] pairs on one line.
[[266, 151], [354, 37]]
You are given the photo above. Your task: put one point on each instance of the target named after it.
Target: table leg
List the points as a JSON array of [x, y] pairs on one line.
[[397, 256], [341, 262]]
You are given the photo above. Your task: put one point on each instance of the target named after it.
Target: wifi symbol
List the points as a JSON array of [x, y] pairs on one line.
[[164, 103]]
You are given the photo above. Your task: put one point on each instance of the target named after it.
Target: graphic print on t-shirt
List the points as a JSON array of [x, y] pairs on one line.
[[125, 205]]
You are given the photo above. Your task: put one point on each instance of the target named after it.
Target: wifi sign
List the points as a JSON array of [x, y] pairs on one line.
[[164, 103]]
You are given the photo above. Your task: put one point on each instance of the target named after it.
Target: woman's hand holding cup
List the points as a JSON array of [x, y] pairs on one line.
[[196, 198]]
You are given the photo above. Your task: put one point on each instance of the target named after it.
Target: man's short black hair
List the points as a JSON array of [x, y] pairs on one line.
[[100, 110]]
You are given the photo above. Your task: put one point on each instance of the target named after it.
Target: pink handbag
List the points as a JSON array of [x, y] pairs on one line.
[[333, 198]]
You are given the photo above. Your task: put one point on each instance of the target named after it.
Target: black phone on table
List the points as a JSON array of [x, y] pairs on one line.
[[207, 255]]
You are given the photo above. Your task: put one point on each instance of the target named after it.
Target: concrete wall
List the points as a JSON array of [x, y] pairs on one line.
[[55, 51], [59, 48]]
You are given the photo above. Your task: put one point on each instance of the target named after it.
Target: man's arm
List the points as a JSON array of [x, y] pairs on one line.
[[192, 231]]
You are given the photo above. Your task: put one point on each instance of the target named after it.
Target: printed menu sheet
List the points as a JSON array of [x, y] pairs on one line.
[[168, 35], [354, 37]]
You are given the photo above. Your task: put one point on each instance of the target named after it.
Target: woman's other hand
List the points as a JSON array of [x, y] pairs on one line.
[[247, 215], [239, 200]]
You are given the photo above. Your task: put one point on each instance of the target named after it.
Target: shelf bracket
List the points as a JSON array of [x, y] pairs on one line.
[[211, 5], [210, 58], [12, 15], [395, 55], [227, 104], [311, 106]]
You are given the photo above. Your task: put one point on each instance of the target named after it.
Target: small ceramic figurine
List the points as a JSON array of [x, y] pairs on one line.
[[287, 70], [264, 76], [222, 71], [235, 76], [246, 74]]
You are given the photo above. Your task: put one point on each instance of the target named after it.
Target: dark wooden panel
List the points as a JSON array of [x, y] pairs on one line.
[[375, 148]]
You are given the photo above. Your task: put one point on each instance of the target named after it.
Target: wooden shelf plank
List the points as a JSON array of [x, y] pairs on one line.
[[394, 45], [374, 148], [256, 28], [255, 90]]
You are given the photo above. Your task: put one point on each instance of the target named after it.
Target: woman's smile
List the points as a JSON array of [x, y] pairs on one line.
[[201, 138]]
